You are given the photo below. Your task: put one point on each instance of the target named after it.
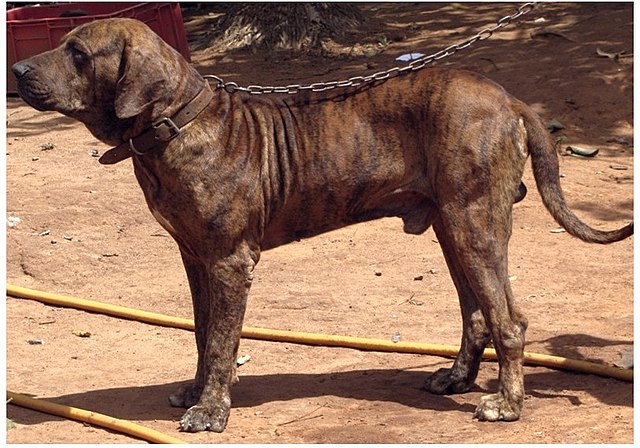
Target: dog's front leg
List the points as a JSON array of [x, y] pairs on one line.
[[219, 290], [198, 277]]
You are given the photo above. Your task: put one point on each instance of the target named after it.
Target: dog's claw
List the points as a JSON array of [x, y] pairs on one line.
[[198, 418], [185, 397], [495, 407], [444, 382]]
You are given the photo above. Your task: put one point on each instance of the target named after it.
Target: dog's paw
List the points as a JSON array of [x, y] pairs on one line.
[[186, 396], [495, 407], [445, 381], [199, 418]]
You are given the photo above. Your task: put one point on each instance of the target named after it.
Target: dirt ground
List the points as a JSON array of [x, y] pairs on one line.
[[85, 231]]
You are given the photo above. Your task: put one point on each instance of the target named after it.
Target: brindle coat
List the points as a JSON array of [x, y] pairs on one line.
[[438, 147]]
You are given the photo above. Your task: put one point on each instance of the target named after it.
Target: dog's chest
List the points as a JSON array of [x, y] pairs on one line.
[[164, 222], [153, 192]]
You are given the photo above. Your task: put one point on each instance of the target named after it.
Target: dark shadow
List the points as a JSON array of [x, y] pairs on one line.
[[557, 384], [24, 128], [622, 211], [150, 402], [563, 47], [568, 345], [398, 386]]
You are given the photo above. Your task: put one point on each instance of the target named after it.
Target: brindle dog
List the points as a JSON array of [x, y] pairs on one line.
[[438, 147]]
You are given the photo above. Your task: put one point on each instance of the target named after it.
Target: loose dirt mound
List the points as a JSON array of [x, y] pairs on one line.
[[84, 230]]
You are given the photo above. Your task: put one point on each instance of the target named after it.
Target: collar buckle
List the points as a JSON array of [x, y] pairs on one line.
[[166, 129]]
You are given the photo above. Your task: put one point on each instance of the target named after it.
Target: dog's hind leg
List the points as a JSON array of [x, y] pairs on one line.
[[475, 235], [475, 334]]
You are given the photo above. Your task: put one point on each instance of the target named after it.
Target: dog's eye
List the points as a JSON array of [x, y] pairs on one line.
[[79, 56]]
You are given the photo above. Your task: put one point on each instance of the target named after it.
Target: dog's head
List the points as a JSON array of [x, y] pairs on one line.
[[114, 75]]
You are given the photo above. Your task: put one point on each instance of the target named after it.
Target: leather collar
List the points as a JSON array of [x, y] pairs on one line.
[[162, 131]]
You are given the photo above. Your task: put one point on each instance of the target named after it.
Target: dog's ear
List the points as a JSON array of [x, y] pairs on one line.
[[142, 83]]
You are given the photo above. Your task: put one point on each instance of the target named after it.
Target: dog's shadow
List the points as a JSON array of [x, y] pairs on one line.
[[405, 387], [46, 121], [146, 403]]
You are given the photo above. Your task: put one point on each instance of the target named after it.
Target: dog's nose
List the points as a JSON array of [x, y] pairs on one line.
[[20, 69]]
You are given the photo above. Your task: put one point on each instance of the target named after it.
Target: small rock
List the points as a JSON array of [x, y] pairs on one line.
[[626, 360], [13, 221], [409, 57], [377, 273], [584, 152], [81, 334], [554, 125], [619, 140], [619, 167], [35, 342], [396, 337], [433, 271], [418, 278], [571, 103]]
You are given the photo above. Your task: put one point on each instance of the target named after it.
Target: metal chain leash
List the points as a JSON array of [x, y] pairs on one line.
[[414, 65]]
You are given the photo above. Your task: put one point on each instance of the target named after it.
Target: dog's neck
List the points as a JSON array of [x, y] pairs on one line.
[[161, 131]]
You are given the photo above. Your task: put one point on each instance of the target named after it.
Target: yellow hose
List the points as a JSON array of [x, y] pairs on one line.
[[534, 359], [260, 334], [93, 418]]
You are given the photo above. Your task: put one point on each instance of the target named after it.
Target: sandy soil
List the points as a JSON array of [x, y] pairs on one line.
[[85, 231]]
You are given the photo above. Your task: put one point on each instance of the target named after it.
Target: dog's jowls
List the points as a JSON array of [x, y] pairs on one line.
[[437, 147]]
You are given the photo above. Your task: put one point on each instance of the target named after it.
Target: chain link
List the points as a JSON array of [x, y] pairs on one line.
[[415, 65]]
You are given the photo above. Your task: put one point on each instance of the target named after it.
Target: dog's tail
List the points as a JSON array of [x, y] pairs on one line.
[[546, 171]]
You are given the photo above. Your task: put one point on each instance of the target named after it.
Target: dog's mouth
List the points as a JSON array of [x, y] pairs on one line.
[[36, 94], [42, 97]]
